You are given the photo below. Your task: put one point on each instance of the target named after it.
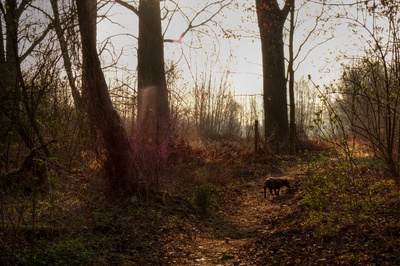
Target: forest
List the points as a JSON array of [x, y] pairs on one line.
[[202, 132]]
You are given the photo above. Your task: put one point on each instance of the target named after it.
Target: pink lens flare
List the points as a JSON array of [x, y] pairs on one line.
[[178, 41]]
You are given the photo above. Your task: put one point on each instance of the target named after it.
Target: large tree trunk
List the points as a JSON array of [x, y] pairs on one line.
[[119, 162], [153, 109], [271, 20]]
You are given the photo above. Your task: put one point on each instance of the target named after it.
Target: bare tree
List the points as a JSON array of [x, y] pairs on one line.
[[119, 156], [153, 107], [153, 112], [294, 60], [271, 20], [305, 104], [18, 110], [59, 28], [292, 126], [216, 112]]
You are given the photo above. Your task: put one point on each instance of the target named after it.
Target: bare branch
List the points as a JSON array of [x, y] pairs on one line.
[[21, 8], [36, 42], [128, 6], [192, 25]]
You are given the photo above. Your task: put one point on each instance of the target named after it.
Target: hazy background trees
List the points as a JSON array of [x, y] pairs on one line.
[[216, 112]]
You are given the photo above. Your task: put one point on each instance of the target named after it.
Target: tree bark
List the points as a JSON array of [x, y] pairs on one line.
[[292, 125], [119, 162], [2, 51], [11, 18], [271, 20], [153, 110]]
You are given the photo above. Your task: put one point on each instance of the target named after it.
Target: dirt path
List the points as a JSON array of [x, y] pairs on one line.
[[229, 235]]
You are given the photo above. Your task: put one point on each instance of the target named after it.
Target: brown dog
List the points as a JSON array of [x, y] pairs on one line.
[[275, 184]]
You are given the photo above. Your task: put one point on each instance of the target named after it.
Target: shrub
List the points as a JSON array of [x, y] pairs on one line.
[[202, 198], [68, 252]]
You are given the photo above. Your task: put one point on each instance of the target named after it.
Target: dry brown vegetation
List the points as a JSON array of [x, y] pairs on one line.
[[213, 213]]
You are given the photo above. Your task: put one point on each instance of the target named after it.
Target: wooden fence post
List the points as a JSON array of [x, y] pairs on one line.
[[256, 136]]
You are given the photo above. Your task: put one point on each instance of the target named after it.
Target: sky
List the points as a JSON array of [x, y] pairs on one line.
[[240, 55]]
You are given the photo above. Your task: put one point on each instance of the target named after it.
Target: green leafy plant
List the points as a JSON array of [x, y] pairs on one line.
[[102, 220], [202, 198], [68, 252]]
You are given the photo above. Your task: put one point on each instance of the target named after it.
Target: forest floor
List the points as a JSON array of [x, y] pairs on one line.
[[76, 226], [241, 227], [244, 229]]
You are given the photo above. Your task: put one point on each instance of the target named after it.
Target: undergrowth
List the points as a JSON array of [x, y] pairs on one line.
[[203, 198], [354, 198], [63, 252]]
